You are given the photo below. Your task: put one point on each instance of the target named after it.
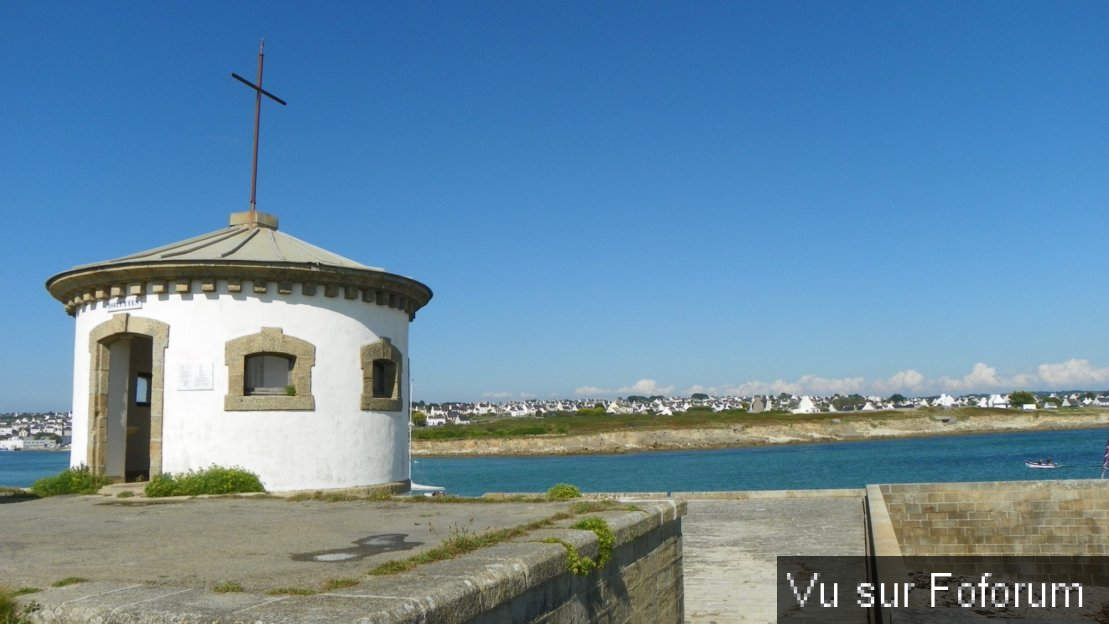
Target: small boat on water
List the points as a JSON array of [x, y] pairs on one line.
[[418, 489], [1040, 463]]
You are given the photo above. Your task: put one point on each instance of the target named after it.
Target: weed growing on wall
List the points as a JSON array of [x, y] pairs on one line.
[[576, 563], [606, 539], [213, 480]]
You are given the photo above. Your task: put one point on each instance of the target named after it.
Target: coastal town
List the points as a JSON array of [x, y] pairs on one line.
[[53, 430], [461, 413], [35, 431]]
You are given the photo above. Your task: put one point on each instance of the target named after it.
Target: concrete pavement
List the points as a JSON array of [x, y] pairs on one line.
[[731, 541]]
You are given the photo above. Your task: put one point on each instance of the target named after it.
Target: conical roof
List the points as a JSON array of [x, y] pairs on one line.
[[246, 239], [251, 248]]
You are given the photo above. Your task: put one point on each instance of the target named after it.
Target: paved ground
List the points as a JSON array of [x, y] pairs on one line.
[[730, 549], [260, 544], [125, 545]]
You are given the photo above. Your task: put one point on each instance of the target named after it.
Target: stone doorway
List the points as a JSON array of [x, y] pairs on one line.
[[125, 402]]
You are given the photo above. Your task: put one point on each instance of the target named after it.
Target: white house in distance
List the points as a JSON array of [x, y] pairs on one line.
[[244, 347]]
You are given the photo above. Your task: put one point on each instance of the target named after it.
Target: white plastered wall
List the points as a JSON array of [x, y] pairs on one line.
[[337, 445]]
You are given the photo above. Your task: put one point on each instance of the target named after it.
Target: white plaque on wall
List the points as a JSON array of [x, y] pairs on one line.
[[195, 376], [117, 304]]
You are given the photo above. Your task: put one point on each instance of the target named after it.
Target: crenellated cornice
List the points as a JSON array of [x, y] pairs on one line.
[[92, 283]]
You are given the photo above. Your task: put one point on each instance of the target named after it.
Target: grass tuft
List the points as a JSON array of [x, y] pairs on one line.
[[339, 583], [461, 542], [69, 580], [11, 612], [380, 494], [292, 591], [227, 587], [604, 504]]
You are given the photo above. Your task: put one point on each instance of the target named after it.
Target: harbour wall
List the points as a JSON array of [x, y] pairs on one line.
[[996, 518]]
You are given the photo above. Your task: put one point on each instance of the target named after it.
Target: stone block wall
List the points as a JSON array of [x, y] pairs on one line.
[[1000, 518]]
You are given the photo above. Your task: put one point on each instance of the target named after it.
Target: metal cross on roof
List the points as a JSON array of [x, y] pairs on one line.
[[259, 92]]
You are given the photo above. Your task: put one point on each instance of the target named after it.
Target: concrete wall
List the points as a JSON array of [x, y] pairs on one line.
[[999, 518]]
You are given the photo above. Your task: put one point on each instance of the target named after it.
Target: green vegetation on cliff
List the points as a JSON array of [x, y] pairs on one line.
[[590, 421]]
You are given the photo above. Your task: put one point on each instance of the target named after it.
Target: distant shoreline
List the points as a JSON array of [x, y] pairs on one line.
[[821, 430]]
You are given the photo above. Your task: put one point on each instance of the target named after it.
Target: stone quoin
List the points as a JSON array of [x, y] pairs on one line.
[[242, 347]]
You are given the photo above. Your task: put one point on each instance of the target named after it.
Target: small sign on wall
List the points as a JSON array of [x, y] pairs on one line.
[[133, 302], [195, 376]]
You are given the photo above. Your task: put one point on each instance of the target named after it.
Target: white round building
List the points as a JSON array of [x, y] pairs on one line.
[[244, 347]]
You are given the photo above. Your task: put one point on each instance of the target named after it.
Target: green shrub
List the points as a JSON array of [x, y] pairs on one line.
[[213, 480], [78, 480], [563, 491]]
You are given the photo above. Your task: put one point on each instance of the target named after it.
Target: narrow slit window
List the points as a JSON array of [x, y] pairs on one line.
[[385, 379], [142, 389]]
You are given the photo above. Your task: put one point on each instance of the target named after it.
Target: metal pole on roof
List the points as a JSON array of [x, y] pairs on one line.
[[258, 92]]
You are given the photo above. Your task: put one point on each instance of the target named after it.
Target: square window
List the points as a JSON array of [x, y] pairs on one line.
[[267, 374]]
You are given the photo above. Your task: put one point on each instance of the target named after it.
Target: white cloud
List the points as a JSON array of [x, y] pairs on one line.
[[645, 387], [591, 391], [824, 387], [902, 382], [980, 378], [496, 395], [1073, 374], [772, 387]]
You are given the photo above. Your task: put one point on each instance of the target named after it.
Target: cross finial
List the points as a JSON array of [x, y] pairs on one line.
[[259, 92]]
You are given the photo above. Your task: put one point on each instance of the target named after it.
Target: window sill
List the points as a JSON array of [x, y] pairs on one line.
[[268, 403], [379, 404]]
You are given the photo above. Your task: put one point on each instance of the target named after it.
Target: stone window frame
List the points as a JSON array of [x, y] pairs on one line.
[[271, 340], [383, 349]]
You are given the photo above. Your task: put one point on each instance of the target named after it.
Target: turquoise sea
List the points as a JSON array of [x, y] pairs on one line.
[[989, 457]]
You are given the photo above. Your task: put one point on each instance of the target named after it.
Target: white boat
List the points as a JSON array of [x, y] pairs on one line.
[[418, 489], [1040, 463], [427, 490]]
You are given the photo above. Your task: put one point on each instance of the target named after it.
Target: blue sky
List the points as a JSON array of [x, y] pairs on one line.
[[607, 198]]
